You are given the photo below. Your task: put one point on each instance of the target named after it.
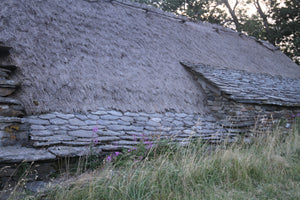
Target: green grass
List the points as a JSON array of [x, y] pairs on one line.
[[269, 168]]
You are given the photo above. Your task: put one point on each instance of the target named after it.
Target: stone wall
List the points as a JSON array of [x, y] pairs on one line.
[[244, 119], [110, 130], [12, 129]]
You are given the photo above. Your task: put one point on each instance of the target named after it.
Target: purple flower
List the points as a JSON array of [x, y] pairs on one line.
[[293, 115], [95, 129], [117, 153], [134, 148], [141, 157], [108, 158], [128, 150], [298, 115]]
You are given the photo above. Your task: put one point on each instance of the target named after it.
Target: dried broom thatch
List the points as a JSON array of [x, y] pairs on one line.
[[78, 55]]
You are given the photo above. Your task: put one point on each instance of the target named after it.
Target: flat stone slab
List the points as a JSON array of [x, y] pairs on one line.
[[16, 154]]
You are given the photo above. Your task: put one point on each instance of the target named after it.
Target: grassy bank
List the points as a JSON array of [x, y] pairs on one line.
[[269, 168]]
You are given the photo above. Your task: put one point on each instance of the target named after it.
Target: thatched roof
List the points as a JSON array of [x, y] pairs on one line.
[[246, 87], [79, 55]]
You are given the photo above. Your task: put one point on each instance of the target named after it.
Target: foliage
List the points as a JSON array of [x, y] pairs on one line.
[[287, 28], [272, 21]]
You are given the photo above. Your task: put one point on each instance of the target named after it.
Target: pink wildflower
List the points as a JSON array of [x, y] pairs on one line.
[[95, 129], [108, 158], [117, 153]]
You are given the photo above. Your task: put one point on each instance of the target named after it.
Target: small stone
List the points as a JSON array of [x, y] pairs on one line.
[[38, 121], [178, 123], [41, 133], [141, 119], [115, 113], [91, 122], [131, 114], [93, 117], [37, 127], [6, 91], [181, 115], [58, 121], [64, 116], [119, 128], [111, 133], [44, 144], [109, 117], [157, 120], [47, 116], [153, 123], [100, 112], [81, 117], [127, 119], [77, 122], [106, 122], [81, 133]]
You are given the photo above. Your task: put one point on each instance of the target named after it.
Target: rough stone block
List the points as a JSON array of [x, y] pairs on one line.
[[115, 113], [45, 143], [100, 112], [110, 133], [64, 116], [37, 127], [157, 120], [77, 122], [91, 122], [131, 114], [82, 133], [41, 133], [6, 91], [109, 117], [119, 128], [141, 119], [17, 154], [38, 121], [67, 151], [127, 119], [152, 123], [47, 116], [93, 117], [58, 121], [81, 117]]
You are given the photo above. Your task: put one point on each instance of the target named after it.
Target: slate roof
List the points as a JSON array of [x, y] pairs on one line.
[[245, 87]]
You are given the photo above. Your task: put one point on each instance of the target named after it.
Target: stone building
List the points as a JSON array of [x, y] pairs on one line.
[[77, 72]]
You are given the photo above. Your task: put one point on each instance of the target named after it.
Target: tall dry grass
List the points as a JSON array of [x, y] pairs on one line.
[[268, 168]]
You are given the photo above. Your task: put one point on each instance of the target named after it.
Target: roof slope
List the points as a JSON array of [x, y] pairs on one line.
[[78, 55], [246, 87]]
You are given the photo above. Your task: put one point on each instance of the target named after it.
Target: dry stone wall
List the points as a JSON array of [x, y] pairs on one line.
[[12, 129], [246, 120], [109, 130]]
